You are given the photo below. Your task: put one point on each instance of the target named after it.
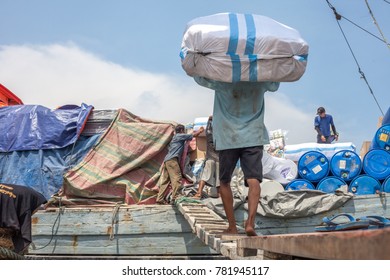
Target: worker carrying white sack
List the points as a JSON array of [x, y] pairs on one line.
[[229, 47]]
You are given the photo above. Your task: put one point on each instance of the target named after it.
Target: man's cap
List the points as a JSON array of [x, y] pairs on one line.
[[320, 110], [179, 128]]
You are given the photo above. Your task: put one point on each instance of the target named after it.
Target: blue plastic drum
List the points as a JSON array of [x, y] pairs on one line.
[[376, 163], [386, 185], [330, 184], [346, 165], [313, 166], [382, 138], [299, 184], [386, 118], [364, 184]]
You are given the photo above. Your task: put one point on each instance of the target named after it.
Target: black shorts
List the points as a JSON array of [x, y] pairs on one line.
[[250, 160]]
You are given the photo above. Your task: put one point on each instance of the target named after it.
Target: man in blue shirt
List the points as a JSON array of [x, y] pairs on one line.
[[171, 171], [239, 133], [322, 124]]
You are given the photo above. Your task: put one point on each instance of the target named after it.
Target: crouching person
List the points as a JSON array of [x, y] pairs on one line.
[[17, 205]]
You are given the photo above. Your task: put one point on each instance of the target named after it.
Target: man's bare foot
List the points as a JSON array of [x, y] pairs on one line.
[[230, 230], [197, 196], [249, 230]]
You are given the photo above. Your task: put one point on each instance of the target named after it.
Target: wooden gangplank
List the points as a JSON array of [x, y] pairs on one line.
[[209, 227], [371, 244]]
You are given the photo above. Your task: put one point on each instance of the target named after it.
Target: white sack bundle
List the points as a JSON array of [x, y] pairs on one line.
[[231, 47], [279, 169]]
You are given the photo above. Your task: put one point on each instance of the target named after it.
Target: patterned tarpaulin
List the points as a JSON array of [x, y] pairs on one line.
[[124, 166]]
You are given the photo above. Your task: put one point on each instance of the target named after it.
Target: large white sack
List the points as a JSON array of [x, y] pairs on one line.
[[294, 152], [231, 47], [279, 169]]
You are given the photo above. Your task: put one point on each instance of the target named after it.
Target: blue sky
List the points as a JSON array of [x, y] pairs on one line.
[[125, 54]]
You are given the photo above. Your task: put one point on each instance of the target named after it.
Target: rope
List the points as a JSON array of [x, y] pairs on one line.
[[339, 17], [186, 199], [70, 159], [362, 75], [60, 211], [7, 254], [114, 214], [376, 24]]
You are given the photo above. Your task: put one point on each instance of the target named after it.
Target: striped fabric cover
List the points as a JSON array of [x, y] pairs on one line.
[[125, 164]]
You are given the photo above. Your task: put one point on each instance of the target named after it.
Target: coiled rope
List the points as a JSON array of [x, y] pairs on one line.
[[7, 254]]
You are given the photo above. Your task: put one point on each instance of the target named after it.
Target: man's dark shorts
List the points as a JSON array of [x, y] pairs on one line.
[[250, 160]]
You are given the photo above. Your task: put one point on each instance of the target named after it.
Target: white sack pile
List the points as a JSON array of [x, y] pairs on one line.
[[230, 47]]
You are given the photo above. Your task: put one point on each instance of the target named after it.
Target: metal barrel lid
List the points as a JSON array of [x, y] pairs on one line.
[[313, 166], [346, 164], [299, 184], [364, 184], [386, 185], [382, 138], [330, 184], [376, 163]]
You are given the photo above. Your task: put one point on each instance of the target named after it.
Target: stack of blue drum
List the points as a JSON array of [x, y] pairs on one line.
[[368, 176], [376, 162]]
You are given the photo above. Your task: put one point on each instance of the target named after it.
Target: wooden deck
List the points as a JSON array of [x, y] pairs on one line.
[[193, 231], [295, 237], [372, 244]]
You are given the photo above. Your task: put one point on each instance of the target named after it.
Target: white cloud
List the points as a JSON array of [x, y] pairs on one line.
[[281, 114], [54, 75]]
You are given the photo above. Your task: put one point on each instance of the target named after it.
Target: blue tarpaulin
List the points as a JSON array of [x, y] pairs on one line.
[[34, 127], [42, 170]]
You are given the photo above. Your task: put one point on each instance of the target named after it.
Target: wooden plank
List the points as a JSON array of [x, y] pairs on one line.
[[267, 255], [208, 221], [209, 228], [196, 208], [353, 244], [199, 205], [201, 233], [242, 252], [215, 227], [125, 257], [158, 244], [232, 237], [132, 230], [230, 250], [245, 252], [204, 223], [157, 219], [199, 216], [213, 241]]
